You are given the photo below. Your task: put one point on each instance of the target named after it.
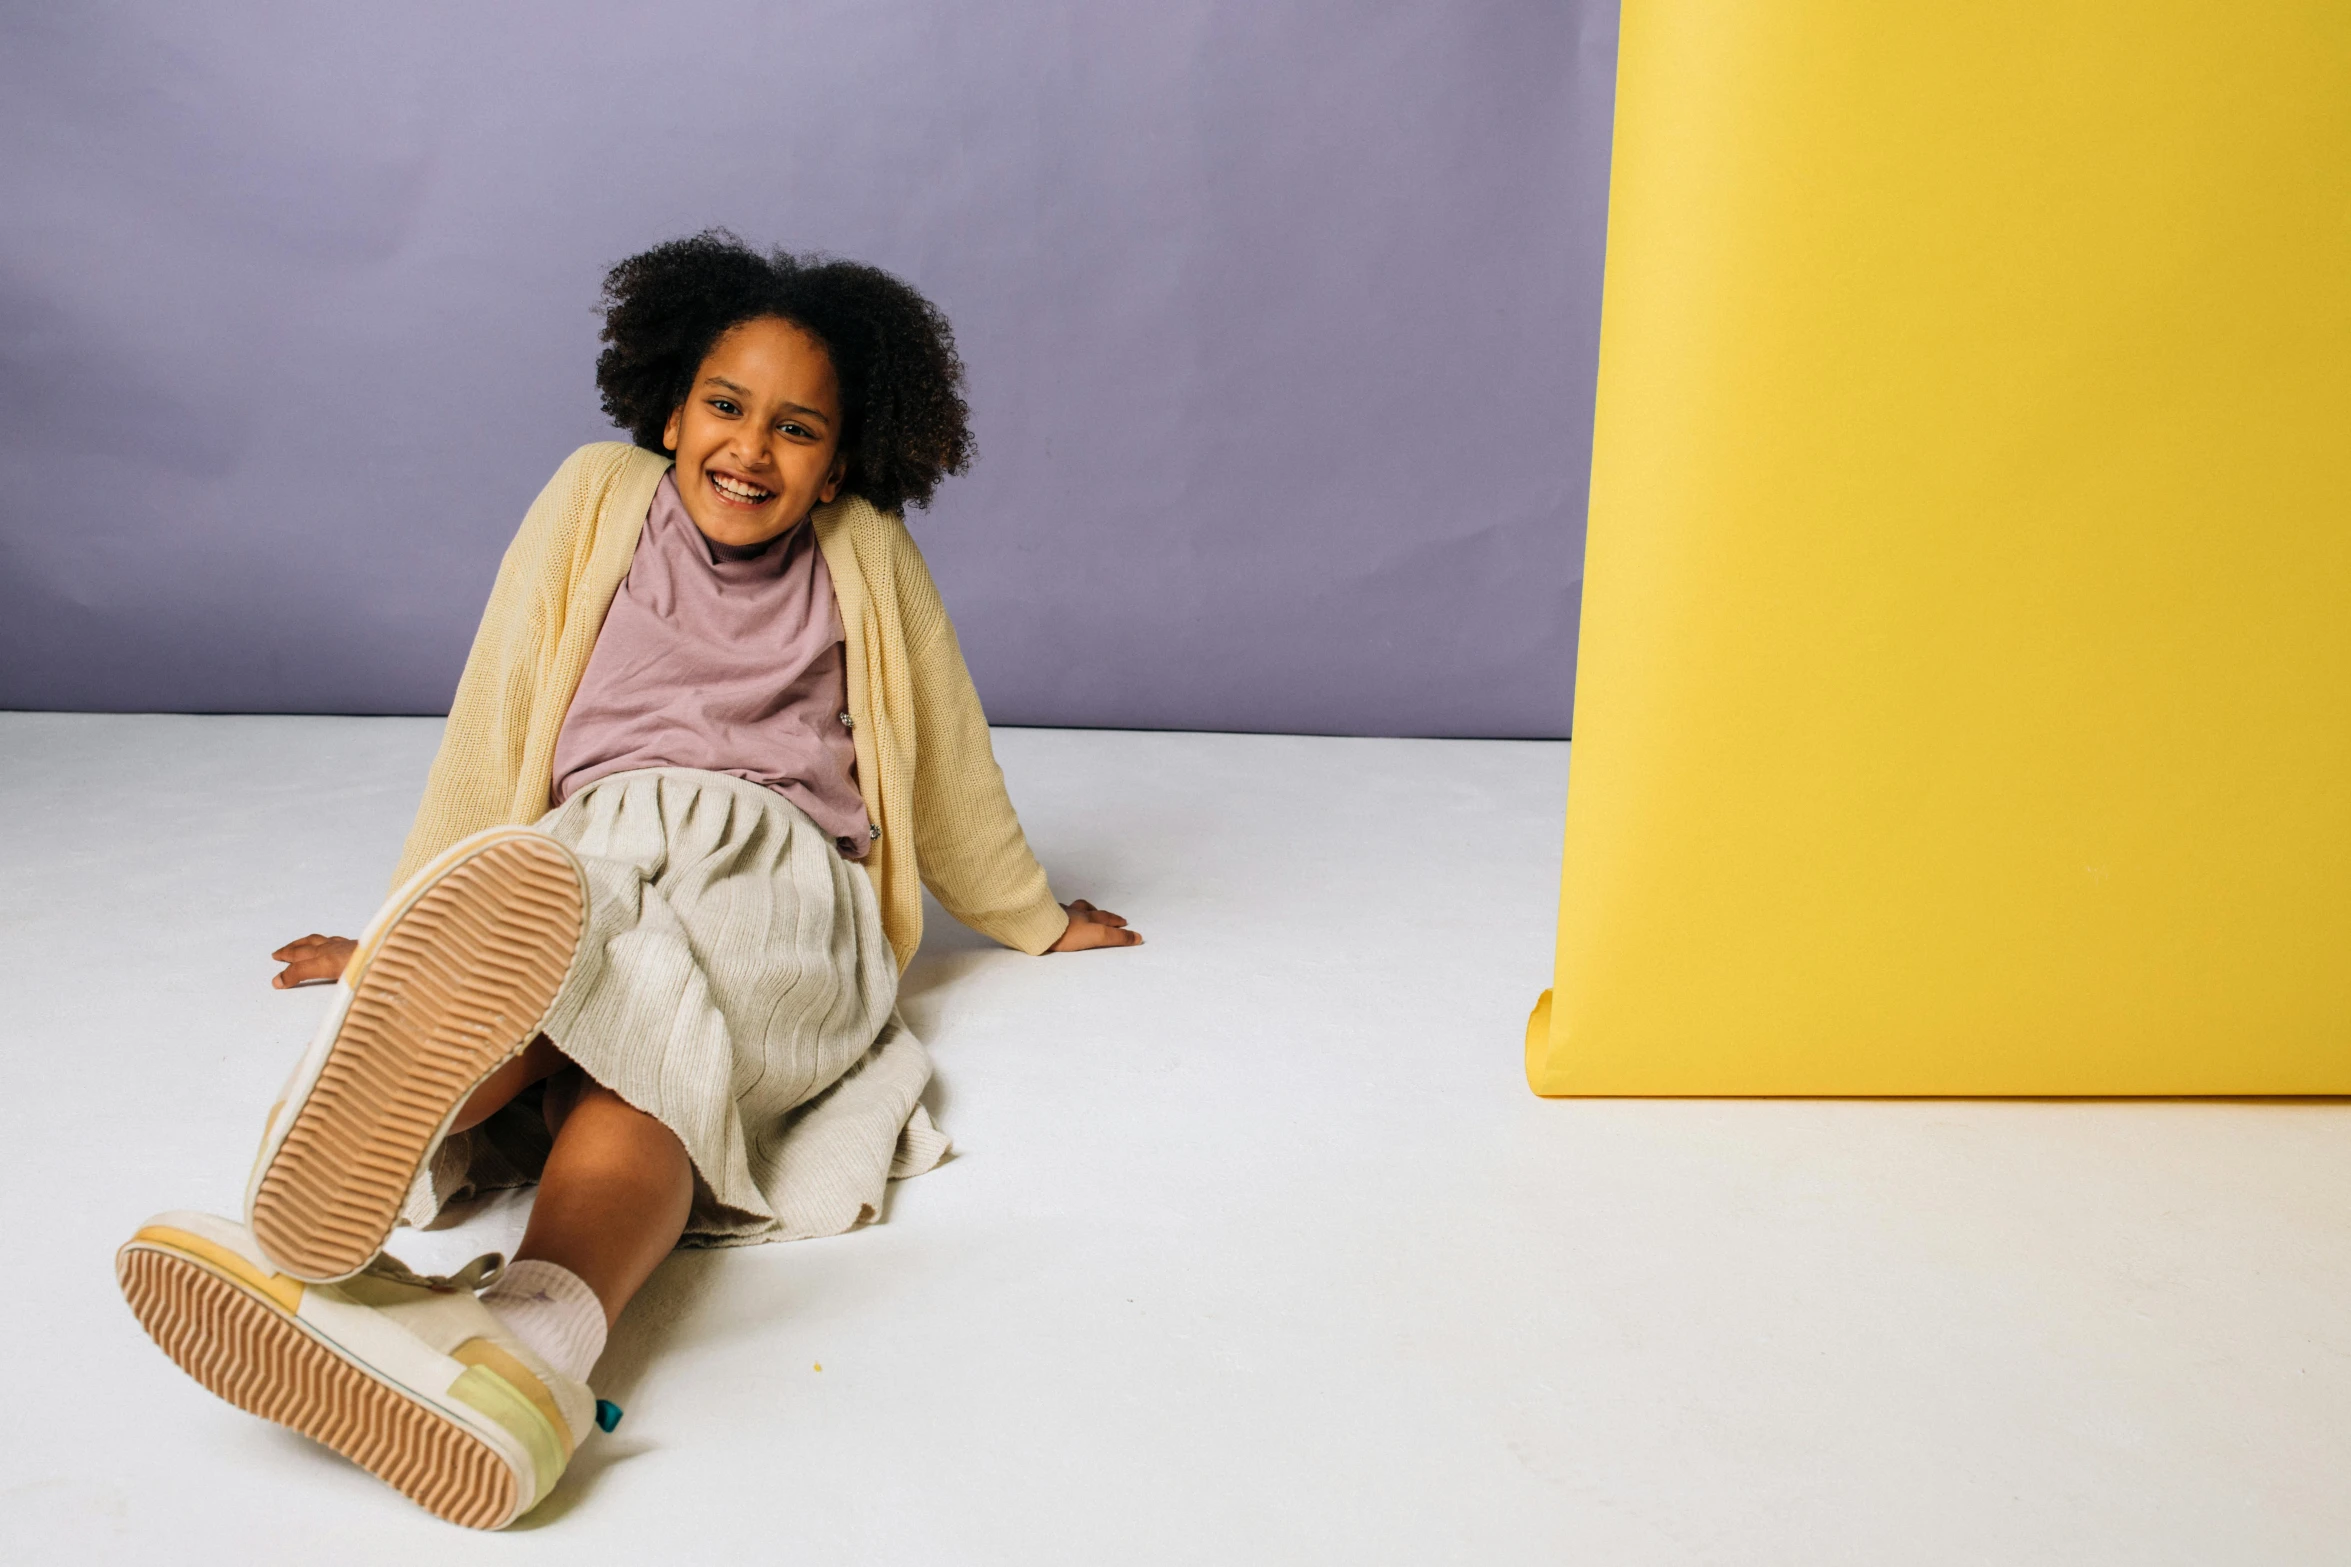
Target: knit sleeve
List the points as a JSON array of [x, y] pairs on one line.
[[974, 857], [476, 774]]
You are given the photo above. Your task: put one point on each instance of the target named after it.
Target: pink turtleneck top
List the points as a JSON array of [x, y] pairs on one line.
[[725, 659]]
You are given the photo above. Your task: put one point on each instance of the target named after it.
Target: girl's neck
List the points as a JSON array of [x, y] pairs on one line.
[[740, 552]]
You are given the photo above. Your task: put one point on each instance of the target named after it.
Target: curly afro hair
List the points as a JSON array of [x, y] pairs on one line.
[[904, 423]]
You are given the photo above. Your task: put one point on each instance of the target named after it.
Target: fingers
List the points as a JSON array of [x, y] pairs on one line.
[[312, 960], [1090, 927], [309, 971], [1085, 937]]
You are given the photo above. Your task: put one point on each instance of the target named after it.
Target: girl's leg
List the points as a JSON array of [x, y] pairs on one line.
[[617, 1187], [614, 1196]]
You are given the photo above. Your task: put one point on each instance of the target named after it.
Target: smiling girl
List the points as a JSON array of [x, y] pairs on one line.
[[714, 738]]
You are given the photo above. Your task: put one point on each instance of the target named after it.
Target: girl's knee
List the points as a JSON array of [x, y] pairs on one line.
[[608, 1119]]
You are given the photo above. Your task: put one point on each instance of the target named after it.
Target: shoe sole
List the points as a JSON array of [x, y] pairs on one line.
[[451, 982], [249, 1351]]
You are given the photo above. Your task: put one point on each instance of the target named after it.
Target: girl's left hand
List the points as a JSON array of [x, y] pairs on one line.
[[1093, 927]]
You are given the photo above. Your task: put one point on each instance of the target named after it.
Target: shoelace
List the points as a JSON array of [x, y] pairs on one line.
[[474, 1277]]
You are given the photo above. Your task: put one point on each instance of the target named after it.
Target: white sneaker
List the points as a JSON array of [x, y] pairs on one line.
[[413, 1379], [451, 979]]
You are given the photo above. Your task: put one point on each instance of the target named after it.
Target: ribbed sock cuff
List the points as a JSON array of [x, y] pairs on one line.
[[551, 1309]]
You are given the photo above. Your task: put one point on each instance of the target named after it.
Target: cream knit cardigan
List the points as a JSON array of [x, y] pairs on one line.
[[924, 764]]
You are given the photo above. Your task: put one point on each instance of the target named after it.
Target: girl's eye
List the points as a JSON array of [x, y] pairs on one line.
[[724, 405], [789, 428]]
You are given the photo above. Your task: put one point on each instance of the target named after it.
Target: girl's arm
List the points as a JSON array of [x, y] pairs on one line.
[[495, 763], [489, 768], [974, 857]]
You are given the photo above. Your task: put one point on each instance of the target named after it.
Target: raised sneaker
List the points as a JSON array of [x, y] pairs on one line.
[[411, 1378], [450, 980]]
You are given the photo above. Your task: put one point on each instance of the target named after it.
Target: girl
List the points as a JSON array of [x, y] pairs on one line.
[[714, 737]]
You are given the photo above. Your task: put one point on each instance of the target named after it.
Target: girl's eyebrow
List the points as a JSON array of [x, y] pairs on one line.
[[745, 393]]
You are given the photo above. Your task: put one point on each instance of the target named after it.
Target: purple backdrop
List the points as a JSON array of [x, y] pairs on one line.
[[1281, 318]]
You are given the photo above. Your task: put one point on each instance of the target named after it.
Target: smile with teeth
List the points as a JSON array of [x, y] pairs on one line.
[[737, 490]]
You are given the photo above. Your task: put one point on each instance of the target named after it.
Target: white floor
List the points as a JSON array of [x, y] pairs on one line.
[[1257, 1248]]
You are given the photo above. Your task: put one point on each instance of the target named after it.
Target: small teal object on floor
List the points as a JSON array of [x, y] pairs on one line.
[[607, 1414]]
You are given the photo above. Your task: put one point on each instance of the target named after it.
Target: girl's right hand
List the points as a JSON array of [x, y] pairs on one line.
[[313, 960]]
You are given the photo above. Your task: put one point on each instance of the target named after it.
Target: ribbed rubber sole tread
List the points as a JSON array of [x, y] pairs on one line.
[[252, 1354], [456, 986]]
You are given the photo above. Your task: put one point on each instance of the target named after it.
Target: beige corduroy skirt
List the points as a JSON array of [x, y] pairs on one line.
[[736, 984]]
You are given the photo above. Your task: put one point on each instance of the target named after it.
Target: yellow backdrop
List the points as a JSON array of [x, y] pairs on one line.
[[1965, 692]]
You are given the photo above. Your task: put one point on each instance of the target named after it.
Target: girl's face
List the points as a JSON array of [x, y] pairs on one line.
[[758, 437]]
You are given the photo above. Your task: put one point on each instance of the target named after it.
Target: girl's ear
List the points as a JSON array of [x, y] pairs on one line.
[[832, 480], [669, 431]]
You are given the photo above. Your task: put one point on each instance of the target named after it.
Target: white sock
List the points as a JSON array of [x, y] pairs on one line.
[[551, 1309]]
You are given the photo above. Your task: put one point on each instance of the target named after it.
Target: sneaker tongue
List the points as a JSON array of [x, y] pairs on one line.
[[473, 1278]]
